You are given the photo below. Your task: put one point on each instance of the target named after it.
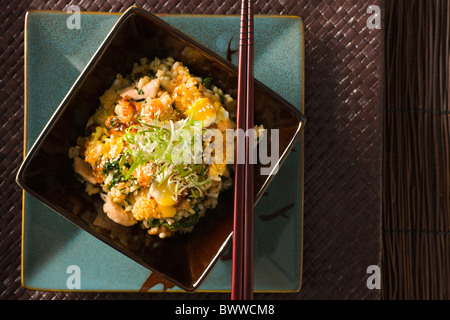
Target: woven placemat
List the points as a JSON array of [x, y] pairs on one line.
[[343, 143], [416, 220]]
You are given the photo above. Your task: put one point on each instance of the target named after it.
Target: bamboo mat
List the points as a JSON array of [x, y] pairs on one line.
[[416, 220], [343, 143]]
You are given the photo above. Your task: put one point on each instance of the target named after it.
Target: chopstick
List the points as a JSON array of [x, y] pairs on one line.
[[249, 200], [242, 270]]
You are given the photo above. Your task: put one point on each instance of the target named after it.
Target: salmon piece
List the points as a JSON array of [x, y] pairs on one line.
[[84, 170], [117, 214], [148, 91]]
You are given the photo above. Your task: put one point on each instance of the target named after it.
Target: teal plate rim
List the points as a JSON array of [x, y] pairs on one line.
[[27, 203]]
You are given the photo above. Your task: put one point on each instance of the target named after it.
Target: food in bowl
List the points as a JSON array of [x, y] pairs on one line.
[[144, 148]]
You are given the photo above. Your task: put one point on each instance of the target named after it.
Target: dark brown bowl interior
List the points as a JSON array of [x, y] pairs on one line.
[[47, 171]]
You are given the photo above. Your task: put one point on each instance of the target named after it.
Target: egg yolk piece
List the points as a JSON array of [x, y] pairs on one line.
[[167, 212], [202, 110], [164, 198]]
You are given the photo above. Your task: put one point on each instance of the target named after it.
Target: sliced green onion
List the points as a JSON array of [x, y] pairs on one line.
[[181, 171]]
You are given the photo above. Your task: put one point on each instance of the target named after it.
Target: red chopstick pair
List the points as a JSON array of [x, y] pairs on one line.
[[242, 270]]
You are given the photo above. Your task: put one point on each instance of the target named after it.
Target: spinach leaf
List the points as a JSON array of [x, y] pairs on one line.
[[208, 83]]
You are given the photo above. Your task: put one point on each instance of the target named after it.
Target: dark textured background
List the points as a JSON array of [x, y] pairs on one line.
[[343, 143]]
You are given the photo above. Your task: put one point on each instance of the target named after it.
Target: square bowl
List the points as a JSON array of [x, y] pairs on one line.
[[47, 174]]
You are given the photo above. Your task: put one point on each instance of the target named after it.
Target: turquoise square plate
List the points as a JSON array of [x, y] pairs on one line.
[[55, 250]]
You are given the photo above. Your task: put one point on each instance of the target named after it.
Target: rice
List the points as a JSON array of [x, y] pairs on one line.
[[139, 116]]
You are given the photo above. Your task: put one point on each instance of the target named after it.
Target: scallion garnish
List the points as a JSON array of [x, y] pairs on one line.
[[139, 91]]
